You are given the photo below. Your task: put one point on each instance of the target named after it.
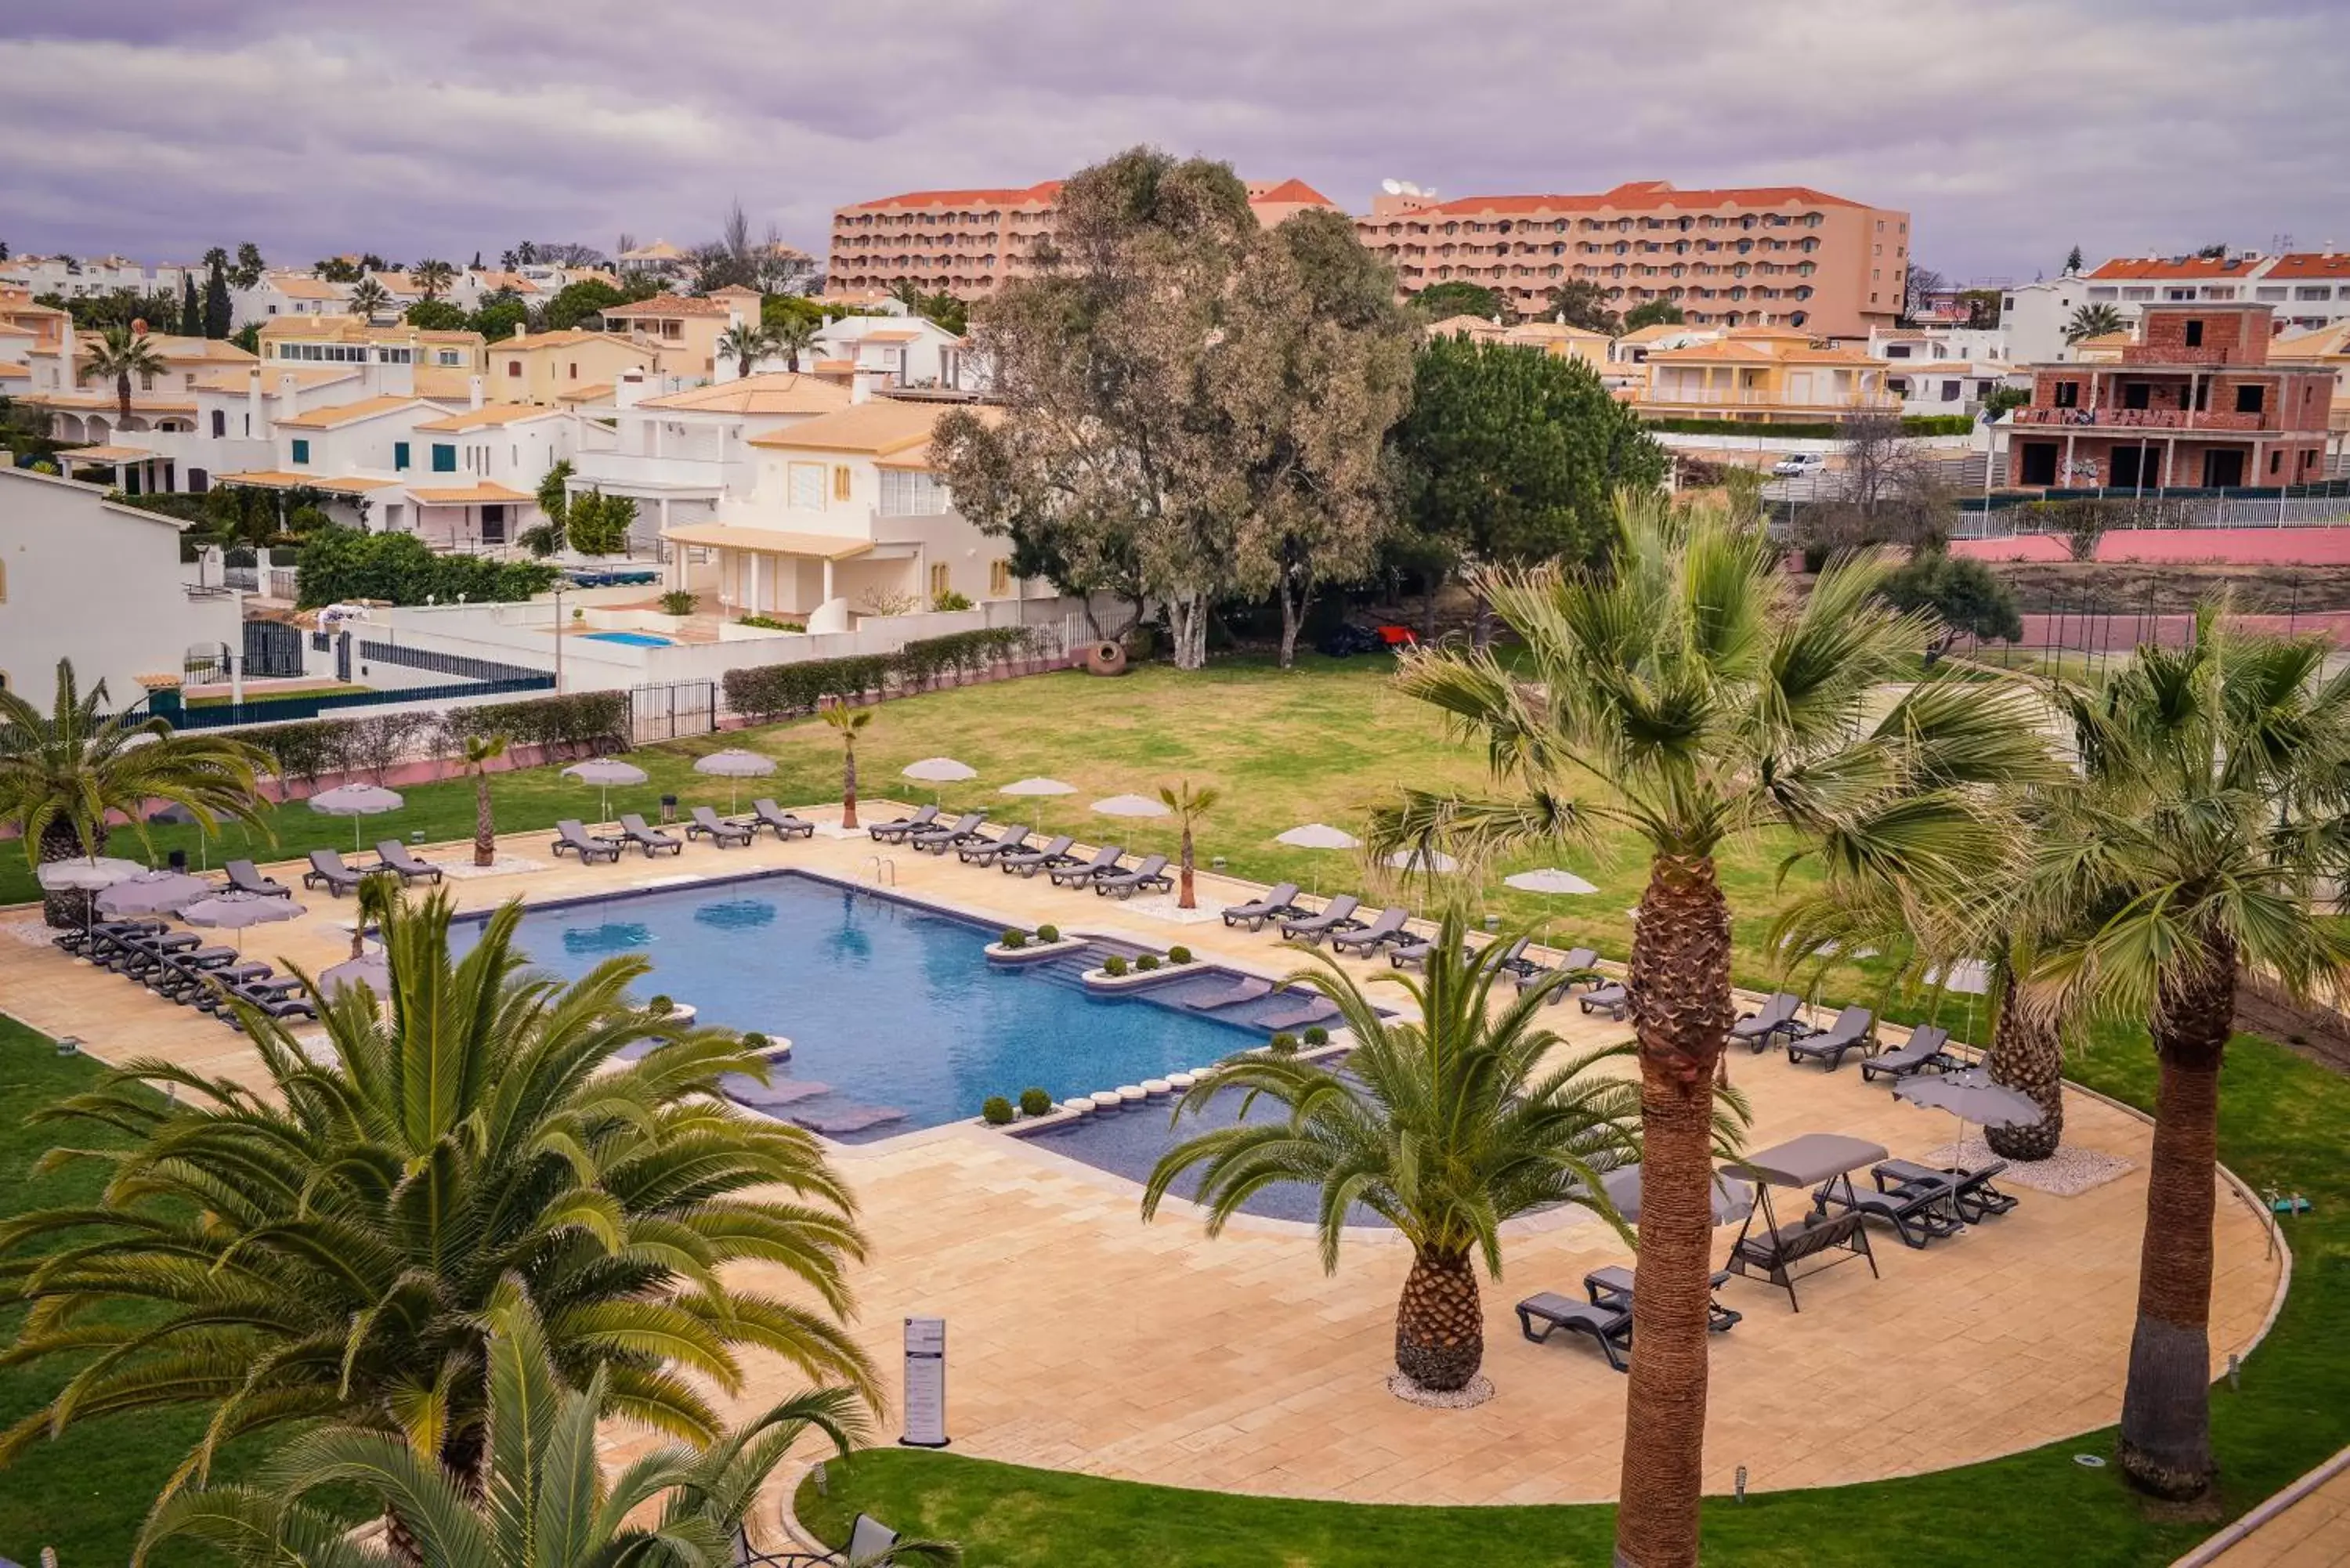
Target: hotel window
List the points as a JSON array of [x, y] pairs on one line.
[[939, 582], [301, 452], [840, 483], [514, 366], [998, 579], [807, 487]]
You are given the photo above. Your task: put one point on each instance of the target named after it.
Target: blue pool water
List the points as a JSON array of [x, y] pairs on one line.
[[629, 639], [890, 1005]]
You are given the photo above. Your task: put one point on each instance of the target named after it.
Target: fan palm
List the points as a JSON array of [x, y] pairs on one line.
[[1444, 1129], [68, 775], [2213, 823], [1685, 695], [481, 750], [434, 279], [544, 1500], [325, 1245], [848, 723], [370, 299], [1189, 806], [794, 338], [746, 345], [2093, 321], [115, 355]]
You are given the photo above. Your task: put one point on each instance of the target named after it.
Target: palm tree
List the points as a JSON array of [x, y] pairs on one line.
[[2213, 824], [115, 355], [325, 1245], [793, 338], [67, 776], [2093, 321], [370, 299], [481, 750], [434, 279], [546, 1501], [746, 345], [1686, 696], [847, 722], [1445, 1128], [1189, 806]]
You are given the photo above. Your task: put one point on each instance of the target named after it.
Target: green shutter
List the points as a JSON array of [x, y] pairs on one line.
[[399, 455], [301, 452], [444, 458]]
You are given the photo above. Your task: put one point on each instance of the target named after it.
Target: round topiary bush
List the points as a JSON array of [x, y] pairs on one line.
[[997, 1111], [754, 1041], [1147, 962], [1178, 954], [1113, 965], [1316, 1035], [1034, 1102], [1284, 1043], [1013, 938], [660, 1005], [1049, 933]]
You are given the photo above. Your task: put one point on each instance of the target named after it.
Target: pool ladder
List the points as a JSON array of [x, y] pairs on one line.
[[880, 864]]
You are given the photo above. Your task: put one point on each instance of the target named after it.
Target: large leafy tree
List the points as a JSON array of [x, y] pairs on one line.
[[120, 352], [70, 776], [1445, 1128], [219, 310], [1653, 313], [578, 303], [1579, 302], [1511, 458], [1685, 695], [328, 1244], [2212, 826], [1439, 302]]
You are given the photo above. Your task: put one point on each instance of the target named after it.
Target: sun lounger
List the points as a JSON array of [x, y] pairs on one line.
[[765, 813], [589, 846], [394, 856], [1384, 931], [1973, 1196], [1278, 901], [1246, 989], [1309, 1010], [1854, 1029], [1608, 1328], [1337, 916], [87, 941], [1512, 960], [892, 832], [651, 840], [1105, 860], [1928, 1050], [1149, 877], [1612, 1286], [1919, 1209], [242, 877], [273, 1004], [722, 832], [328, 870], [987, 851], [1611, 998], [1575, 963], [1028, 862], [1774, 1018], [937, 840]]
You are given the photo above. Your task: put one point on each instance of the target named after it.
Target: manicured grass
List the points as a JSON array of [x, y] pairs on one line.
[[2281, 1124]]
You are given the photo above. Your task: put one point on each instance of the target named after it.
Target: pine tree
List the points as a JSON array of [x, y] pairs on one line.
[[2074, 260], [191, 309], [478, 261], [220, 314]]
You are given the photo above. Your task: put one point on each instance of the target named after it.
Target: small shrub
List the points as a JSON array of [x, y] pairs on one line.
[[997, 1110], [1316, 1035], [1013, 938], [661, 1004], [678, 601], [754, 1041], [1283, 1043], [950, 600], [1179, 955], [1147, 962], [1113, 965], [1049, 933], [1034, 1102], [768, 623]]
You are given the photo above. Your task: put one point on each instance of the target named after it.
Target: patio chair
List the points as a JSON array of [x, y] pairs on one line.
[[570, 837], [1384, 931], [1854, 1029], [1928, 1050], [869, 1541], [328, 870], [1278, 901], [651, 840], [1148, 877], [765, 813], [1105, 860], [245, 878], [722, 833], [1611, 998], [892, 832], [1758, 1028], [1028, 862], [1337, 915], [987, 851], [938, 840], [1608, 1328], [1919, 1209], [1512, 960], [393, 856], [1575, 963]]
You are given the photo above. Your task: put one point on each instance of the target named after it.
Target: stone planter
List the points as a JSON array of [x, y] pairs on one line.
[[1034, 952], [1101, 979]]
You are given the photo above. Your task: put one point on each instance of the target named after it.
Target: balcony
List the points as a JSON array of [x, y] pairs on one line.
[[1759, 398], [638, 472], [2142, 419]]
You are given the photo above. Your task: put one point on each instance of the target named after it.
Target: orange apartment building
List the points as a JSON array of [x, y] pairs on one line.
[[966, 242], [1778, 256]]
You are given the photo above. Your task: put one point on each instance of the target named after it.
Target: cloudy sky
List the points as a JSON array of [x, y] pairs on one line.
[[2011, 129]]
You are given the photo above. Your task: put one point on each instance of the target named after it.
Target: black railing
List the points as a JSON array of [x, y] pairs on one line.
[[439, 663]]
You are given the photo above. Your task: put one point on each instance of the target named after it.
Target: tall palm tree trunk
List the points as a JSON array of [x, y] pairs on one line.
[[486, 826], [123, 398], [1184, 900], [2027, 1055], [67, 906], [1439, 1328], [1679, 988], [847, 782], [2166, 1441]]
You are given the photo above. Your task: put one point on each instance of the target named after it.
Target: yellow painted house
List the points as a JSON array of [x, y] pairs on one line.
[[1764, 374], [554, 368], [445, 362]]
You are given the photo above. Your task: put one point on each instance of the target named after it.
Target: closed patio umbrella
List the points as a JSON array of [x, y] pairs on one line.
[[356, 800], [604, 772], [735, 763]]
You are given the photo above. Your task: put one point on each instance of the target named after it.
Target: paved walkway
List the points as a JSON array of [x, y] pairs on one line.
[[1082, 1338], [2314, 1533]]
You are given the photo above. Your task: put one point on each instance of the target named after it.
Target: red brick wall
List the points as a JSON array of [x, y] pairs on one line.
[[2237, 337]]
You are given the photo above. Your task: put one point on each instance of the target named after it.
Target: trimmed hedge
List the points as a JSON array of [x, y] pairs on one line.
[[1821, 429], [311, 748], [775, 691]]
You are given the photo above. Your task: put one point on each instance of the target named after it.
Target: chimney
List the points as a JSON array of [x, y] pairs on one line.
[[285, 385], [862, 384], [68, 372], [629, 387], [472, 392], [255, 416]]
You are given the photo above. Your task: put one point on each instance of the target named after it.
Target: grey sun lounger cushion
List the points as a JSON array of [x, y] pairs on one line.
[[1927, 1050], [590, 848], [1380, 933], [987, 851], [1151, 875], [1312, 1009], [1853, 1030], [648, 839], [891, 832], [1105, 859], [1338, 915], [765, 813], [1278, 901], [937, 840], [1575, 963], [1758, 1028], [1973, 1195], [328, 870], [1233, 995], [721, 832], [1027, 862], [395, 858], [1612, 1000], [244, 877], [1608, 1328]]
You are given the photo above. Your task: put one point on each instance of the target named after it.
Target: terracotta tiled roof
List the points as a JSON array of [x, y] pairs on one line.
[[774, 392], [294, 286], [2198, 268], [1645, 195], [488, 416], [2324, 343], [568, 337], [469, 495], [335, 414], [1292, 190], [1042, 193], [2311, 263], [665, 305], [240, 380], [277, 479], [880, 428]]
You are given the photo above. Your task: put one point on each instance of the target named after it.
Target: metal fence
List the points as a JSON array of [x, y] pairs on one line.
[[439, 663], [2084, 635], [312, 705], [272, 650], [666, 712]]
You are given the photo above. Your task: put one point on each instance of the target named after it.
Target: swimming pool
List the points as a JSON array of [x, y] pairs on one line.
[[629, 639], [890, 1006]]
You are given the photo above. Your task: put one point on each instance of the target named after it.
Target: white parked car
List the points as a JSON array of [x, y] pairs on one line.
[[1798, 463]]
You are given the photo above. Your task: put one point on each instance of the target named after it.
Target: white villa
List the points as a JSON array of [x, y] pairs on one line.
[[681, 453]]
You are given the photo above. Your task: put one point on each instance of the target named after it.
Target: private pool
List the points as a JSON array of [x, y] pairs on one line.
[[895, 1019], [629, 639]]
